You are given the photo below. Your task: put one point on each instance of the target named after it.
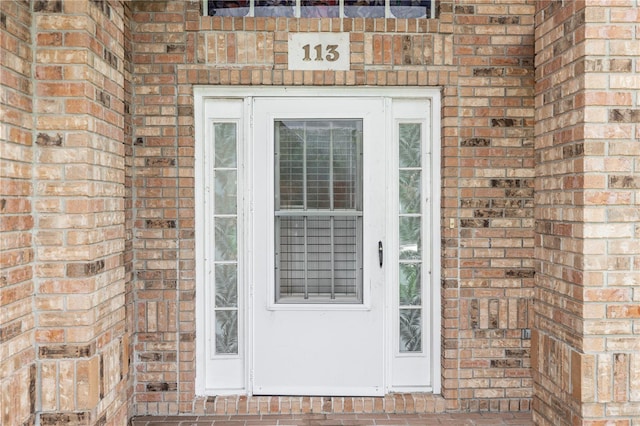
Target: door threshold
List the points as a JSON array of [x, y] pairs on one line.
[[394, 403]]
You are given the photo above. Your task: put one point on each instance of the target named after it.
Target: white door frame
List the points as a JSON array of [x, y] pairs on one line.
[[245, 94]]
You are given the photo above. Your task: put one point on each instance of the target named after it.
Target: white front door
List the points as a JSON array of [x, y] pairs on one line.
[[319, 238], [317, 213]]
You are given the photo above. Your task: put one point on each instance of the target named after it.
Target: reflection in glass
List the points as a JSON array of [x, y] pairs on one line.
[[410, 8], [228, 7], [410, 141], [410, 284], [410, 330], [226, 245], [225, 144], [321, 8], [274, 3], [284, 8], [409, 233], [364, 8], [226, 279], [227, 332], [409, 191], [225, 192]]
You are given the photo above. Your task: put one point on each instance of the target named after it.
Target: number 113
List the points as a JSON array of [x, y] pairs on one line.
[[332, 54]]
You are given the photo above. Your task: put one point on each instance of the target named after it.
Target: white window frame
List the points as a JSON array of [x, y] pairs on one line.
[[245, 233]]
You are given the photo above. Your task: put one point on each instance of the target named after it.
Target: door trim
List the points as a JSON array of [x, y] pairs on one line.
[[201, 95]]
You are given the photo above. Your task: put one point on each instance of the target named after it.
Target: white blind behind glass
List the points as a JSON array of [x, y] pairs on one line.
[[318, 210]]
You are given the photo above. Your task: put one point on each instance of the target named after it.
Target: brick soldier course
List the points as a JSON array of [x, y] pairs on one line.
[[540, 175]]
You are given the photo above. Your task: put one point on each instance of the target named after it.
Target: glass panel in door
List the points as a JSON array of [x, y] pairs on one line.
[[318, 211]]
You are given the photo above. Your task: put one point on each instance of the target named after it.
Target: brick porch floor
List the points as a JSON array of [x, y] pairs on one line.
[[467, 419]]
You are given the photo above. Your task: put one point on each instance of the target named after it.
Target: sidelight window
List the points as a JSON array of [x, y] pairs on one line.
[[410, 236], [225, 220]]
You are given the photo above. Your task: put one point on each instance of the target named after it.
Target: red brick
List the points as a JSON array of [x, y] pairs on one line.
[[489, 92]]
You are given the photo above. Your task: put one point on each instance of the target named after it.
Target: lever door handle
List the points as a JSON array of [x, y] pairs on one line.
[[380, 253]]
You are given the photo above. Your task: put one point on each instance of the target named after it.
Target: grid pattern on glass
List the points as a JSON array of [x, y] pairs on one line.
[[318, 164], [318, 211], [225, 224], [323, 8], [410, 236], [329, 245]]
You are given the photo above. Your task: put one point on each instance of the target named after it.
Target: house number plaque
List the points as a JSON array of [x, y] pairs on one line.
[[319, 51]]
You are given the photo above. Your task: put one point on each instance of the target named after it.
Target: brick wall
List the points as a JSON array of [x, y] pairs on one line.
[[129, 208], [17, 321], [481, 54], [164, 229], [97, 198], [494, 203], [79, 169], [586, 362]]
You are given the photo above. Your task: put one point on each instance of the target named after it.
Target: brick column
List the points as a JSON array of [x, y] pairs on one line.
[[82, 341], [163, 248], [586, 359], [493, 48], [17, 322]]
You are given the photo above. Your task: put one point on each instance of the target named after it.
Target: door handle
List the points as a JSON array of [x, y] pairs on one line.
[[380, 253]]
